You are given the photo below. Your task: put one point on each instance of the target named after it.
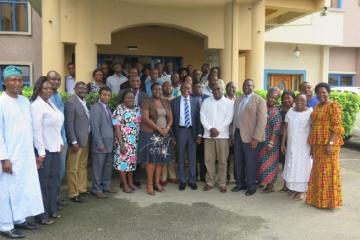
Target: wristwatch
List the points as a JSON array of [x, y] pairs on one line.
[[331, 143]]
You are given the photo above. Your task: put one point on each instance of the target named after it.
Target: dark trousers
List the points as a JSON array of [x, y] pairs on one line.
[[185, 140], [49, 183], [101, 171], [201, 171], [245, 160]]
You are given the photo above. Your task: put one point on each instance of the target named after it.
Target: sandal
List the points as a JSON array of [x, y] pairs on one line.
[[157, 187], [299, 197], [284, 189], [291, 194], [127, 190], [207, 187], [267, 189], [222, 189], [133, 187], [150, 190]]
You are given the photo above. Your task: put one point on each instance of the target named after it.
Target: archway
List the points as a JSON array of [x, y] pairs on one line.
[[152, 43]]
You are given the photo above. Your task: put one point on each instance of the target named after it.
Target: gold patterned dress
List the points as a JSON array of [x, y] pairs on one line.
[[324, 190]]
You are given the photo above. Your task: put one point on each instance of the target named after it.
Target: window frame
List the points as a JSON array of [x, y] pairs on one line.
[[28, 64], [29, 23], [338, 76]]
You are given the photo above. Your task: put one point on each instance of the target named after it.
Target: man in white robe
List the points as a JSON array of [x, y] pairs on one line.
[[20, 194]]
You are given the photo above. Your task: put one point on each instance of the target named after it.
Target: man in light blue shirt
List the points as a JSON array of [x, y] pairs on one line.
[[55, 79], [154, 78], [306, 89], [70, 79]]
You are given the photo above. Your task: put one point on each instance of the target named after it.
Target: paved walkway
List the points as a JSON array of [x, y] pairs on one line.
[[198, 215]]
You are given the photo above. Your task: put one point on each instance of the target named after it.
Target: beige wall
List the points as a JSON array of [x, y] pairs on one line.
[[158, 41], [351, 23], [343, 60], [280, 56], [24, 48], [116, 15]]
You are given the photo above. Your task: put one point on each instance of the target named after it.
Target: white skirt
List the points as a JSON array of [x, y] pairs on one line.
[[297, 186]]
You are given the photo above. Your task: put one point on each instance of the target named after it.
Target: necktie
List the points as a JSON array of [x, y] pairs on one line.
[[187, 113]]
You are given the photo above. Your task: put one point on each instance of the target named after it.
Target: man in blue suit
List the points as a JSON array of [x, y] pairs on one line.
[[187, 132]]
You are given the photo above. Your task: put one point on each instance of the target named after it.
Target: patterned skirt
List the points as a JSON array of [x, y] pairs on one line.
[[267, 166], [324, 190], [154, 148]]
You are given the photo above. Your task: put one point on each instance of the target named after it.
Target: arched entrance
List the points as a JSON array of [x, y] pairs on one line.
[[152, 43]]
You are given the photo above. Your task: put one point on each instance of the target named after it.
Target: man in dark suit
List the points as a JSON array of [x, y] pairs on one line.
[[187, 132], [201, 170], [77, 126], [139, 95], [102, 139]]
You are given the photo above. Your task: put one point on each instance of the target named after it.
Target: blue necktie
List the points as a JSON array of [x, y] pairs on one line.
[[187, 113]]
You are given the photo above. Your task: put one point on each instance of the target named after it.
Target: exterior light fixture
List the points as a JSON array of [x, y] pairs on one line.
[[323, 13], [297, 52], [132, 48]]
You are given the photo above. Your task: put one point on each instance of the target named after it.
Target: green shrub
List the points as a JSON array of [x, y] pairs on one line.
[[349, 102], [350, 106]]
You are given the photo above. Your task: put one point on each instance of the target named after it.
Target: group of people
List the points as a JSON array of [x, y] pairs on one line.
[[181, 127]]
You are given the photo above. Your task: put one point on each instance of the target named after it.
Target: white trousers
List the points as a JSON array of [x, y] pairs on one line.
[[8, 216]]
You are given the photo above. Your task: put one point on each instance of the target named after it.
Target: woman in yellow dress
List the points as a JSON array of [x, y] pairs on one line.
[[326, 138]]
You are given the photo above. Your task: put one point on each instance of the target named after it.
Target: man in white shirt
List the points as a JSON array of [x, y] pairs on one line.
[[205, 69], [20, 194], [117, 79], [216, 115], [70, 79]]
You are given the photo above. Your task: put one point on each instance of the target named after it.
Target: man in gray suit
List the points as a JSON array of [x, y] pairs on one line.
[[77, 126], [187, 132], [248, 130], [135, 88], [102, 139]]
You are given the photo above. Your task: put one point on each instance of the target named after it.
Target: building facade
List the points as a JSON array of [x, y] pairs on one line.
[[328, 44], [20, 38], [227, 33]]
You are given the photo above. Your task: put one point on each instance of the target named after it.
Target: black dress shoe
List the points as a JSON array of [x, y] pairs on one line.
[[85, 193], [182, 186], [76, 199], [250, 192], [13, 233], [193, 186], [26, 225], [238, 188]]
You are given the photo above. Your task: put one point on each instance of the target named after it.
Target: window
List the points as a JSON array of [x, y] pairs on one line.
[[336, 4], [14, 16], [26, 70], [341, 79]]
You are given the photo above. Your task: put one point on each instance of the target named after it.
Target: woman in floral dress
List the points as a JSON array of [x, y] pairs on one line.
[[126, 121], [268, 158]]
